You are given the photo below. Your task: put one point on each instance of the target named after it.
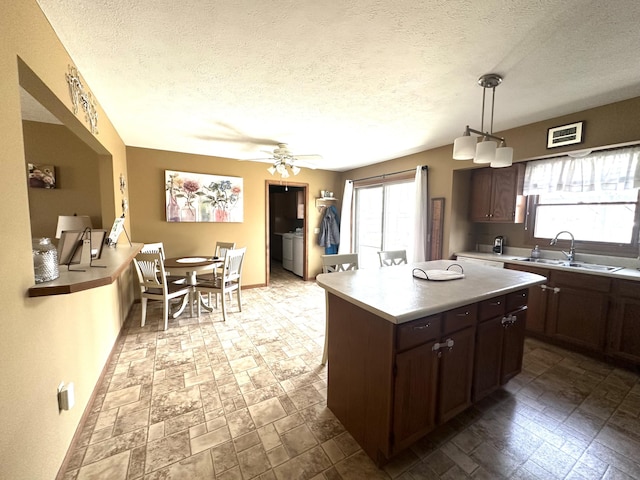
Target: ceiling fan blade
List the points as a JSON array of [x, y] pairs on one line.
[[308, 157]]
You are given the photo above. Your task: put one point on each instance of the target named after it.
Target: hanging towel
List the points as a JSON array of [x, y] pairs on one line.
[[329, 236]]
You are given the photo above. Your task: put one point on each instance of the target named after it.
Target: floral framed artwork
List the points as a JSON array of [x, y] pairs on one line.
[[198, 197], [42, 176]]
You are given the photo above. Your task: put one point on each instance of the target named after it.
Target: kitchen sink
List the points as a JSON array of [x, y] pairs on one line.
[[546, 261], [593, 266], [563, 263]]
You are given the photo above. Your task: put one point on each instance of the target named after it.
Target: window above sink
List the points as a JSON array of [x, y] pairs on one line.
[[594, 197]]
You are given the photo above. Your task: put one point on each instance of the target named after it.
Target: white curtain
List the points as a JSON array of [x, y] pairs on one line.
[[421, 240], [345, 218], [605, 170]]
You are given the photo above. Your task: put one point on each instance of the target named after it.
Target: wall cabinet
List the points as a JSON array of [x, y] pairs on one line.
[[496, 195], [391, 384]]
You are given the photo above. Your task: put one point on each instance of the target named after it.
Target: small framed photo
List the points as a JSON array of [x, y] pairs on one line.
[[42, 176], [565, 135]]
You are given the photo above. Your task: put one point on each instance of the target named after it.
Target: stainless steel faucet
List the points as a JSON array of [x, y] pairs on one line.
[[571, 256]]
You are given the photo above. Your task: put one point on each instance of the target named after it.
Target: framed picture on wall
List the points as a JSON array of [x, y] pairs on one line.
[[199, 197], [42, 176], [570, 134]]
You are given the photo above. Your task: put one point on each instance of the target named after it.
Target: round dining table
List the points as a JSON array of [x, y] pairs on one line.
[[190, 266]]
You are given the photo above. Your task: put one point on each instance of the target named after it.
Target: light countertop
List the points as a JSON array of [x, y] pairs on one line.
[[395, 295], [625, 273]]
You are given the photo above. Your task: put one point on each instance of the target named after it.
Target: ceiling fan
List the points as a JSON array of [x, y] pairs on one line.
[[284, 161]]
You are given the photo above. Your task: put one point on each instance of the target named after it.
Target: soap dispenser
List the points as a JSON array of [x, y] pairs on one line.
[[535, 252]]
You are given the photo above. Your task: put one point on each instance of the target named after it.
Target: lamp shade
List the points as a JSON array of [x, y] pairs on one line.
[[464, 147], [72, 222], [271, 169], [485, 152], [503, 158]]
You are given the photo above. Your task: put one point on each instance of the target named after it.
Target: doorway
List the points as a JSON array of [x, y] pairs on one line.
[[286, 232]]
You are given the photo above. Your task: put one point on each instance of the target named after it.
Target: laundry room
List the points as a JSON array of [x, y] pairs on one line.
[[286, 227]]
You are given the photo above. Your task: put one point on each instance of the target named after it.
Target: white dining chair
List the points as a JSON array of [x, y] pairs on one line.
[[159, 247], [154, 286], [341, 262], [389, 258], [227, 282]]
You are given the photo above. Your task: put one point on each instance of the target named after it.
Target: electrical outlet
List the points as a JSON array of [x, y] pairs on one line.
[[316, 230], [66, 396]]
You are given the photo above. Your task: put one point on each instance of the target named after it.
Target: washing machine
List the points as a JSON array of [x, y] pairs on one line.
[[298, 254], [287, 251]]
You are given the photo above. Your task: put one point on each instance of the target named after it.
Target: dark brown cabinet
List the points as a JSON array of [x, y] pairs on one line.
[[455, 373], [571, 307], [496, 195], [415, 394], [391, 384], [577, 309], [624, 322], [499, 342], [537, 304]]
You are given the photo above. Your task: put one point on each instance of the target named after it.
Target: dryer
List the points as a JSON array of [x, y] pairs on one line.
[[287, 251], [298, 254]]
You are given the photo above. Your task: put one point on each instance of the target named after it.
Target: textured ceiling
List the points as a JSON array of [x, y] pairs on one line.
[[357, 82]]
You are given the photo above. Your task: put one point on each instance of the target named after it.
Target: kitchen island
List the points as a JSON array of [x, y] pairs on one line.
[[407, 354]]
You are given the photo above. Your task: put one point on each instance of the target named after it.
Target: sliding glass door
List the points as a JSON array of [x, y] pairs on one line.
[[383, 220]]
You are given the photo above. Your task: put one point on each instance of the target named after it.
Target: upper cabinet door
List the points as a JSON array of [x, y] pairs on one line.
[[480, 205], [496, 195]]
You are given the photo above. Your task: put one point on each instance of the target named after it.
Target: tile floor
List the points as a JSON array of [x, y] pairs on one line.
[[246, 399]]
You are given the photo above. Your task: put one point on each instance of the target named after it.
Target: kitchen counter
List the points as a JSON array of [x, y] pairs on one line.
[[394, 294], [625, 272], [407, 354]]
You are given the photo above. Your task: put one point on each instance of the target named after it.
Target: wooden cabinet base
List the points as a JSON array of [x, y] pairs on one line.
[[392, 384]]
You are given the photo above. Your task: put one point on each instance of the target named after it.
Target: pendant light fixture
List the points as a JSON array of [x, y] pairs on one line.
[[487, 151]]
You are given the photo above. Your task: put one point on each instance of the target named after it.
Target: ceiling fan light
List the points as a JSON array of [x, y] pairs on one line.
[[295, 169], [485, 152], [284, 174], [504, 157], [271, 169], [280, 168], [464, 147]]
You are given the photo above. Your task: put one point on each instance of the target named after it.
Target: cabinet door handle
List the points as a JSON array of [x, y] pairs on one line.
[[556, 289], [422, 327], [448, 343], [494, 304], [465, 314]]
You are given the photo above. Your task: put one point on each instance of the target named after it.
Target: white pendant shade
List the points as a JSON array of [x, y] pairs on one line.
[[464, 148], [504, 157], [485, 152]]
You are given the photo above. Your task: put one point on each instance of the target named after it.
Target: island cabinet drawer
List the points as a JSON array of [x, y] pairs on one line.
[[491, 308], [416, 332], [517, 300], [460, 318]]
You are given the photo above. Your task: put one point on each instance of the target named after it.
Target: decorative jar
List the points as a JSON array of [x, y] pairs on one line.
[[45, 260]]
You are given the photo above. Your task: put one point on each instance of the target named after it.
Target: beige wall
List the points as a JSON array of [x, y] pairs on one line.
[[146, 172], [50, 339], [612, 124], [77, 177], [69, 337]]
